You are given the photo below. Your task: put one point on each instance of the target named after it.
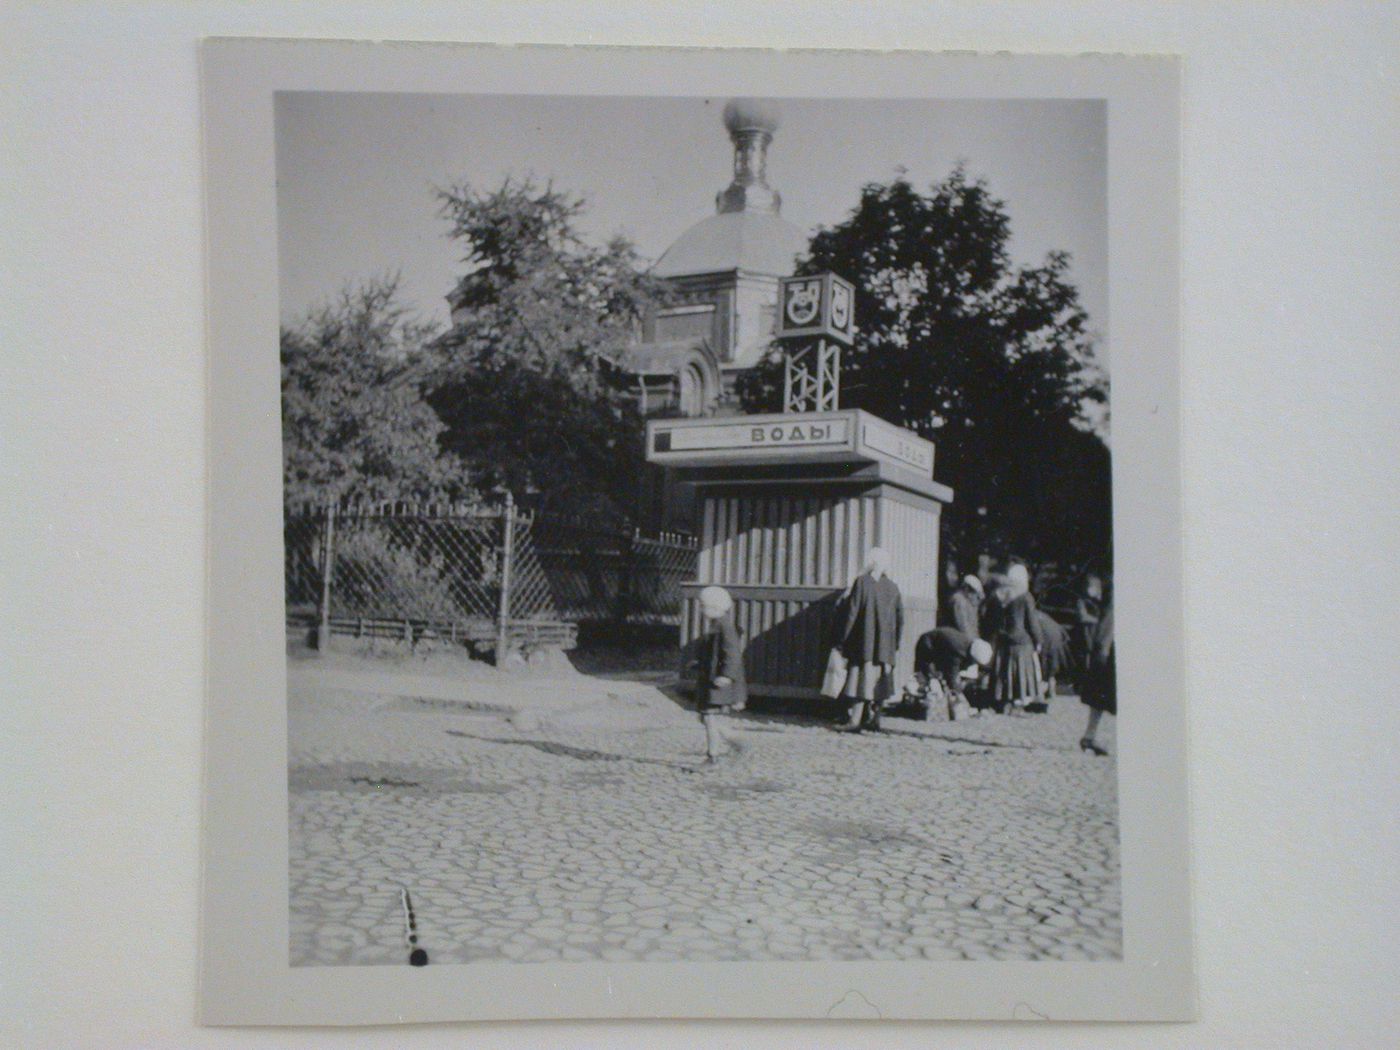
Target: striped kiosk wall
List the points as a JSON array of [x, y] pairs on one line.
[[786, 553]]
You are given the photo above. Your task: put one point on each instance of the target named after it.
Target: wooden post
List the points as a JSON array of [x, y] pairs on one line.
[[323, 627], [507, 554], [626, 572]]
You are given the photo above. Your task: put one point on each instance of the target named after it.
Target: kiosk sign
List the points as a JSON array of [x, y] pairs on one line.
[[897, 444], [845, 436], [790, 433]]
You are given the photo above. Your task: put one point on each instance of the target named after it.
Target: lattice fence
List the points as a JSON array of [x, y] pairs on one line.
[[492, 575], [614, 576]]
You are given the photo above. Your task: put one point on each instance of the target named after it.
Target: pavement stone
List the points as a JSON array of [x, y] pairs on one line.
[[594, 832]]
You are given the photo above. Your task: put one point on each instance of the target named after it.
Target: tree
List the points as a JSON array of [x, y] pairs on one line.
[[354, 418], [528, 386], [992, 361]]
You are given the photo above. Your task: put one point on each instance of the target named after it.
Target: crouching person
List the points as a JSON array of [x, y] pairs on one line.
[[720, 683], [943, 654]]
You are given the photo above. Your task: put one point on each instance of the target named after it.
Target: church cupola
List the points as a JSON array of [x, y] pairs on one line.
[[751, 123]]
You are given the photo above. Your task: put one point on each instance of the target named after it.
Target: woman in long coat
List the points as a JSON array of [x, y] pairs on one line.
[[1015, 665], [1100, 690], [869, 638]]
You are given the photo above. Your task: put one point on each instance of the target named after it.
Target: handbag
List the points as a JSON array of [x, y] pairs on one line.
[[884, 688], [834, 680]]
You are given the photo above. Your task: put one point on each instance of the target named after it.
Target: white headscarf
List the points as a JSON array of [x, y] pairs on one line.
[[715, 602], [1018, 580], [877, 562]]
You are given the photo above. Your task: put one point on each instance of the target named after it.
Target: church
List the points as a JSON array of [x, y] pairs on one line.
[[723, 274]]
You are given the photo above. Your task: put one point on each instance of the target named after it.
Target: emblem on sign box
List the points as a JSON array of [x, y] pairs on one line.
[[803, 301], [840, 306], [822, 305]]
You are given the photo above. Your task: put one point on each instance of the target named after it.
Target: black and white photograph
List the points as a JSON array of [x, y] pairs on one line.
[[698, 530]]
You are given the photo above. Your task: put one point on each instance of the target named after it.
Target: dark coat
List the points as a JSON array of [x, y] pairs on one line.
[[1100, 680], [944, 651], [721, 655], [1016, 622], [873, 622]]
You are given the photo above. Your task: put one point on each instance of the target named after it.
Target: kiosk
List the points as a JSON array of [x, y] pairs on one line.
[[788, 507]]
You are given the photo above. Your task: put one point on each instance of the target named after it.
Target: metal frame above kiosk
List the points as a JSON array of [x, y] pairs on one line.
[[789, 506]]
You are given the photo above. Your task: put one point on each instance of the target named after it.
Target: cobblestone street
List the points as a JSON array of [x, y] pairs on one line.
[[594, 832]]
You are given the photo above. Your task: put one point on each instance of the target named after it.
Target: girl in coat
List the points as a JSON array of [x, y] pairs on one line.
[[869, 639], [1100, 690], [720, 672], [1015, 666]]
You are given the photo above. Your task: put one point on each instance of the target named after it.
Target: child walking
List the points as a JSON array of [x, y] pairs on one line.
[[720, 681]]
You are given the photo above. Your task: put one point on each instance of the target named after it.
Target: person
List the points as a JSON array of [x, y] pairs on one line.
[[966, 606], [1054, 652], [1015, 666], [944, 653], [721, 685], [1100, 691], [1086, 614], [951, 581], [869, 639]]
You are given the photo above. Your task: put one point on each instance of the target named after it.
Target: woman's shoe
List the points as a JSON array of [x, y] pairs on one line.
[[1088, 745]]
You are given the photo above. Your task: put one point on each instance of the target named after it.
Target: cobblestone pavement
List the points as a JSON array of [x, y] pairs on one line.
[[597, 834]]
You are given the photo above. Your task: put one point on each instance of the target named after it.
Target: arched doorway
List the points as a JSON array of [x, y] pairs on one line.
[[692, 392]]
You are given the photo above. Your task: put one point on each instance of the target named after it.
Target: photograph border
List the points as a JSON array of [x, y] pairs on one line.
[[246, 976]]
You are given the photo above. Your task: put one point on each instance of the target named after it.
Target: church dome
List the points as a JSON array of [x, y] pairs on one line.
[[748, 233], [756, 242]]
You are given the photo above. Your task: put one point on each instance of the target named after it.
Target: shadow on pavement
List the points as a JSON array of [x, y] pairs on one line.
[[582, 754], [940, 738]]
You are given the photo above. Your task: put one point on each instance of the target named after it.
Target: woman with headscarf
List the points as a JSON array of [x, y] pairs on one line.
[[1018, 637], [1100, 692], [869, 638], [942, 658]]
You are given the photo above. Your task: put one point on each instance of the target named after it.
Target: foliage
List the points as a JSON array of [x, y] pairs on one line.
[[992, 361], [378, 574], [528, 384], [354, 418]]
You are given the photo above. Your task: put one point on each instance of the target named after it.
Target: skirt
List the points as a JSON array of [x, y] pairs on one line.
[[869, 682], [1015, 673], [1100, 689]]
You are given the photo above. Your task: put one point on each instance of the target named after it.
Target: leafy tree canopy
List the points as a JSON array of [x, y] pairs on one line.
[[992, 361], [528, 384], [354, 419]]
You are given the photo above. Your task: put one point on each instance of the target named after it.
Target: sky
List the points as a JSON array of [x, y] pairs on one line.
[[356, 174]]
